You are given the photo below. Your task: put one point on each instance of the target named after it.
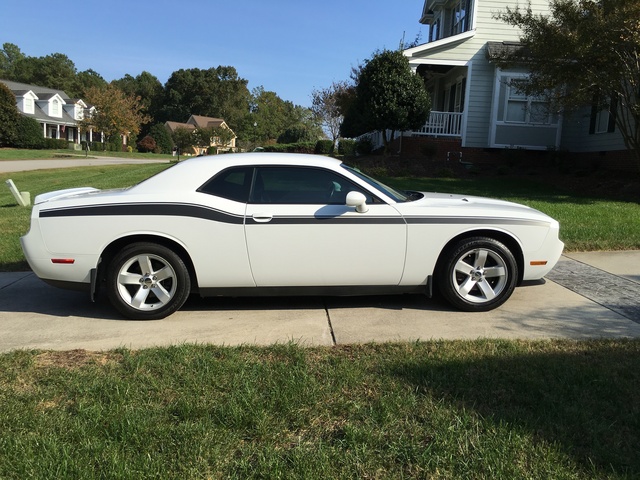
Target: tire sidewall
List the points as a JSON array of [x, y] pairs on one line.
[[445, 273], [182, 279]]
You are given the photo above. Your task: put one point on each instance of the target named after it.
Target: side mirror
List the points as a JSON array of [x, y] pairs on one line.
[[358, 200]]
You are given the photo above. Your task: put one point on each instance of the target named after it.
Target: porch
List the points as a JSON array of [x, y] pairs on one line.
[[439, 124]]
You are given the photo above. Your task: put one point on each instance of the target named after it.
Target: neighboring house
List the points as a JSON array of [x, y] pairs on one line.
[[196, 122], [477, 104], [57, 113]]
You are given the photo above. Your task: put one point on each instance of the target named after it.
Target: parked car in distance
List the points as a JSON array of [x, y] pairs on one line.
[[282, 224]]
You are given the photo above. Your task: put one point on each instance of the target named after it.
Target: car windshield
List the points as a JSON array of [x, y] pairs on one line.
[[388, 191]]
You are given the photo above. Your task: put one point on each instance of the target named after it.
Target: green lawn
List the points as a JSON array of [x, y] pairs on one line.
[[445, 410], [586, 223]]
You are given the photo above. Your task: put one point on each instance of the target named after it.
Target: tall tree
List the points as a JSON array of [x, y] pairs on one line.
[[388, 97], [86, 79], [10, 57], [9, 116], [583, 53], [115, 112], [216, 92], [52, 71], [325, 106], [147, 87]]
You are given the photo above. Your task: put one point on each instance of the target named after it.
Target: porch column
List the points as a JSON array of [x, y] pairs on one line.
[[44, 129]]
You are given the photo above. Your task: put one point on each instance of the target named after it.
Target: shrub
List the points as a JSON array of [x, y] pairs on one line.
[[296, 134], [347, 147], [164, 143], [28, 133], [55, 144], [147, 144], [324, 147], [302, 147], [364, 146]]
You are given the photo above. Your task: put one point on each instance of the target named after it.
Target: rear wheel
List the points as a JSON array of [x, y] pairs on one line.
[[147, 281], [477, 274]]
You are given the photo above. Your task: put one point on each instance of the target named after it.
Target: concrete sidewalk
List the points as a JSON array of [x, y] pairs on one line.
[[34, 315]]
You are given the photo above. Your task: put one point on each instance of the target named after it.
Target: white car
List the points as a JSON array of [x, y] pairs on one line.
[[282, 224]]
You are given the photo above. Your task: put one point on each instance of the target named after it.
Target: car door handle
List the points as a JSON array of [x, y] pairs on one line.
[[262, 217]]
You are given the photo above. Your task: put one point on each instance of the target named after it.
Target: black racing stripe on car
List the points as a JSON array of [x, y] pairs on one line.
[[475, 221], [141, 209], [332, 220]]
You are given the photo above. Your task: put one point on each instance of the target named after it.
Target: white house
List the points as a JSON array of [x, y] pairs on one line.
[[476, 103], [57, 113]]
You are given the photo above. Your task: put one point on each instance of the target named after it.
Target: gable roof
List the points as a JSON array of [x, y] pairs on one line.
[[173, 126], [39, 91], [205, 122]]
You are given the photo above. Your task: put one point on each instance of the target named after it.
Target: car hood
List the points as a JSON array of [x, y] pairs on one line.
[[468, 205]]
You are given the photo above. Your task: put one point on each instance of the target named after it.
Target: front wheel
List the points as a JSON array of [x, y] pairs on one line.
[[147, 281], [477, 274]]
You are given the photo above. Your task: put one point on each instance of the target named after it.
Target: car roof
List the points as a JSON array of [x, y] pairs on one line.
[[193, 172]]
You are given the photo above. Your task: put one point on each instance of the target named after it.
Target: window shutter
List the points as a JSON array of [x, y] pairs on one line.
[[613, 110], [594, 115]]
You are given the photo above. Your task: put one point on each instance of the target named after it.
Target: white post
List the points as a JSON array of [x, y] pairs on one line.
[[23, 198]]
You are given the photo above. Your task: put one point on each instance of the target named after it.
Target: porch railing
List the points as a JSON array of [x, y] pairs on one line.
[[442, 124], [439, 124]]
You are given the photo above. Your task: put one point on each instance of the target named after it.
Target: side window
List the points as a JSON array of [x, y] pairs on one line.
[[233, 184], [302, 186]]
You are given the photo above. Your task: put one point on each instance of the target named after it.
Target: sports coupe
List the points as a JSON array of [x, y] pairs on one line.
[[282, 224]]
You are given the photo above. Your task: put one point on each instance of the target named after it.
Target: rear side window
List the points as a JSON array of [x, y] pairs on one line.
[[232, 184]]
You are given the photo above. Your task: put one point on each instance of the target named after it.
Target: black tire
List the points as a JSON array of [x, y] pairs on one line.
[[147, 281], [477, 274]]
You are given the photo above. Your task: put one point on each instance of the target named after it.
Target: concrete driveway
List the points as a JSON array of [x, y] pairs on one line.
[[34, 315]]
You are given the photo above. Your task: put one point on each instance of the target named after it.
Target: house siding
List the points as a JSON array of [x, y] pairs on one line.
[[576, 137], [481, 73]]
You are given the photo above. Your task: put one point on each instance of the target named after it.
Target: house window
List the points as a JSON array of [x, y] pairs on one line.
[[459, 17], [603, 118], [28, 105], [435, 30], [55, 108], [517, 107]]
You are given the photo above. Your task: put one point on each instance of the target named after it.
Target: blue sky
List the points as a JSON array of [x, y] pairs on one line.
[[287, 46]]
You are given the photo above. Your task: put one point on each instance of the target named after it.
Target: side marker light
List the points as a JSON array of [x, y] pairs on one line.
[[64, 261], [537, 263]]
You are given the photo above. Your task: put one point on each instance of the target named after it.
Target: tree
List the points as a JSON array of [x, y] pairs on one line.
[[387, 98], [216, 92], [52, 71], [85, 80], [10, 57], [184, 138], [583, 53], [162, 137], [115, 112], [9, 116], [325, 106], [147, 87], [29, 133]]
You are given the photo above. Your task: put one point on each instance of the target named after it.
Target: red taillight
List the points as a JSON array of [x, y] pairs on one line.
[[65, 261]]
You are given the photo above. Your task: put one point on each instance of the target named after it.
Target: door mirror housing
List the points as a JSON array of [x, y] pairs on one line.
[[358, 200]]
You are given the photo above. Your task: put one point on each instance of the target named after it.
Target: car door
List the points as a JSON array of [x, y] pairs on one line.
[[299, 231]]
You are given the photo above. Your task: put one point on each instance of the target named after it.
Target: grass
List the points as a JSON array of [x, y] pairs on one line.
[[586, 223], [482, 409]]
